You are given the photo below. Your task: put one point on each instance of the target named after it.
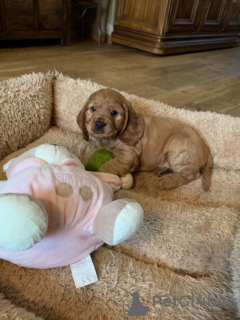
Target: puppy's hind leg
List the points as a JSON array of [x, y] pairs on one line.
[[162, 171], [184, 170], [176, 179]]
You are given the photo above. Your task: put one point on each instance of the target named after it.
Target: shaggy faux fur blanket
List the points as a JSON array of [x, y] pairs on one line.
[[179, 262], [10, 312]]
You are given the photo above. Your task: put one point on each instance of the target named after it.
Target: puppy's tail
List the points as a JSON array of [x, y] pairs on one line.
[[207, 172]]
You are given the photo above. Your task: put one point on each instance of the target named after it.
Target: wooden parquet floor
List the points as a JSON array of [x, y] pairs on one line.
[[207, 80]]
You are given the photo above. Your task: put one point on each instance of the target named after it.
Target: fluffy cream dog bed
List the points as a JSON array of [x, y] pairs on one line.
[[184, 246]]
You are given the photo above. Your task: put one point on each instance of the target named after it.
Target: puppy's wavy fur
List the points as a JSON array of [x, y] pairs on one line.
[[167, 146]]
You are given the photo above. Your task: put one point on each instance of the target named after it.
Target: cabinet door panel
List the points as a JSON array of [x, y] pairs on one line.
[[213, 14], [53, 9], [2, 16], [183, 16], [231, 21], [139, 14], [19, 14]]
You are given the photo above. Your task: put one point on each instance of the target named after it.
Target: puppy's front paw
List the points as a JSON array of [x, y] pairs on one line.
[[108, 169], [114, 167]]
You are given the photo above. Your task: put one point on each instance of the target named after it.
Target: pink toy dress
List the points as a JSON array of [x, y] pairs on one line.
[[71, 196]]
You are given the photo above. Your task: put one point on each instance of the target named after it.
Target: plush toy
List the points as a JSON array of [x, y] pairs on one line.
[[54, 213], [98, 158]]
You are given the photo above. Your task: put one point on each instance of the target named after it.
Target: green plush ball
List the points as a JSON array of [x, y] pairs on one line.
[[97, 159]]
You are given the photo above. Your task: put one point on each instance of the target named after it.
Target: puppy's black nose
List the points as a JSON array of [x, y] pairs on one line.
[[99, 125]]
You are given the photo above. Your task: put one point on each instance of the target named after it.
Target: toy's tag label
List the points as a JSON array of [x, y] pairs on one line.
[[83, 272]]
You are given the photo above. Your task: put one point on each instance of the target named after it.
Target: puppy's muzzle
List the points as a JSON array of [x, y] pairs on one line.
[[99, 125]]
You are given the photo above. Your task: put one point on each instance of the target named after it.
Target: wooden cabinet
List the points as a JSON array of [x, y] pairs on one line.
[[35, 19], [171, 26]]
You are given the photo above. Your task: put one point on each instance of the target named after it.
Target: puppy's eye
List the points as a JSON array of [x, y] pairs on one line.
[[93, 109], [114, 113]]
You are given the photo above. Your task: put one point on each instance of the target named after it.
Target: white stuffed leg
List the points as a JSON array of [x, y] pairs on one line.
[[23, 221], [117, 221]]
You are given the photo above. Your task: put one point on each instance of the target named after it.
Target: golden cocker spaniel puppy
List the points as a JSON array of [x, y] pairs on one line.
[[164, 145]]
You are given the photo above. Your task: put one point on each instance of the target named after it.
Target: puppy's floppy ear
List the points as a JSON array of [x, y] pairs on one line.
[[81, 120], [133, 127]]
